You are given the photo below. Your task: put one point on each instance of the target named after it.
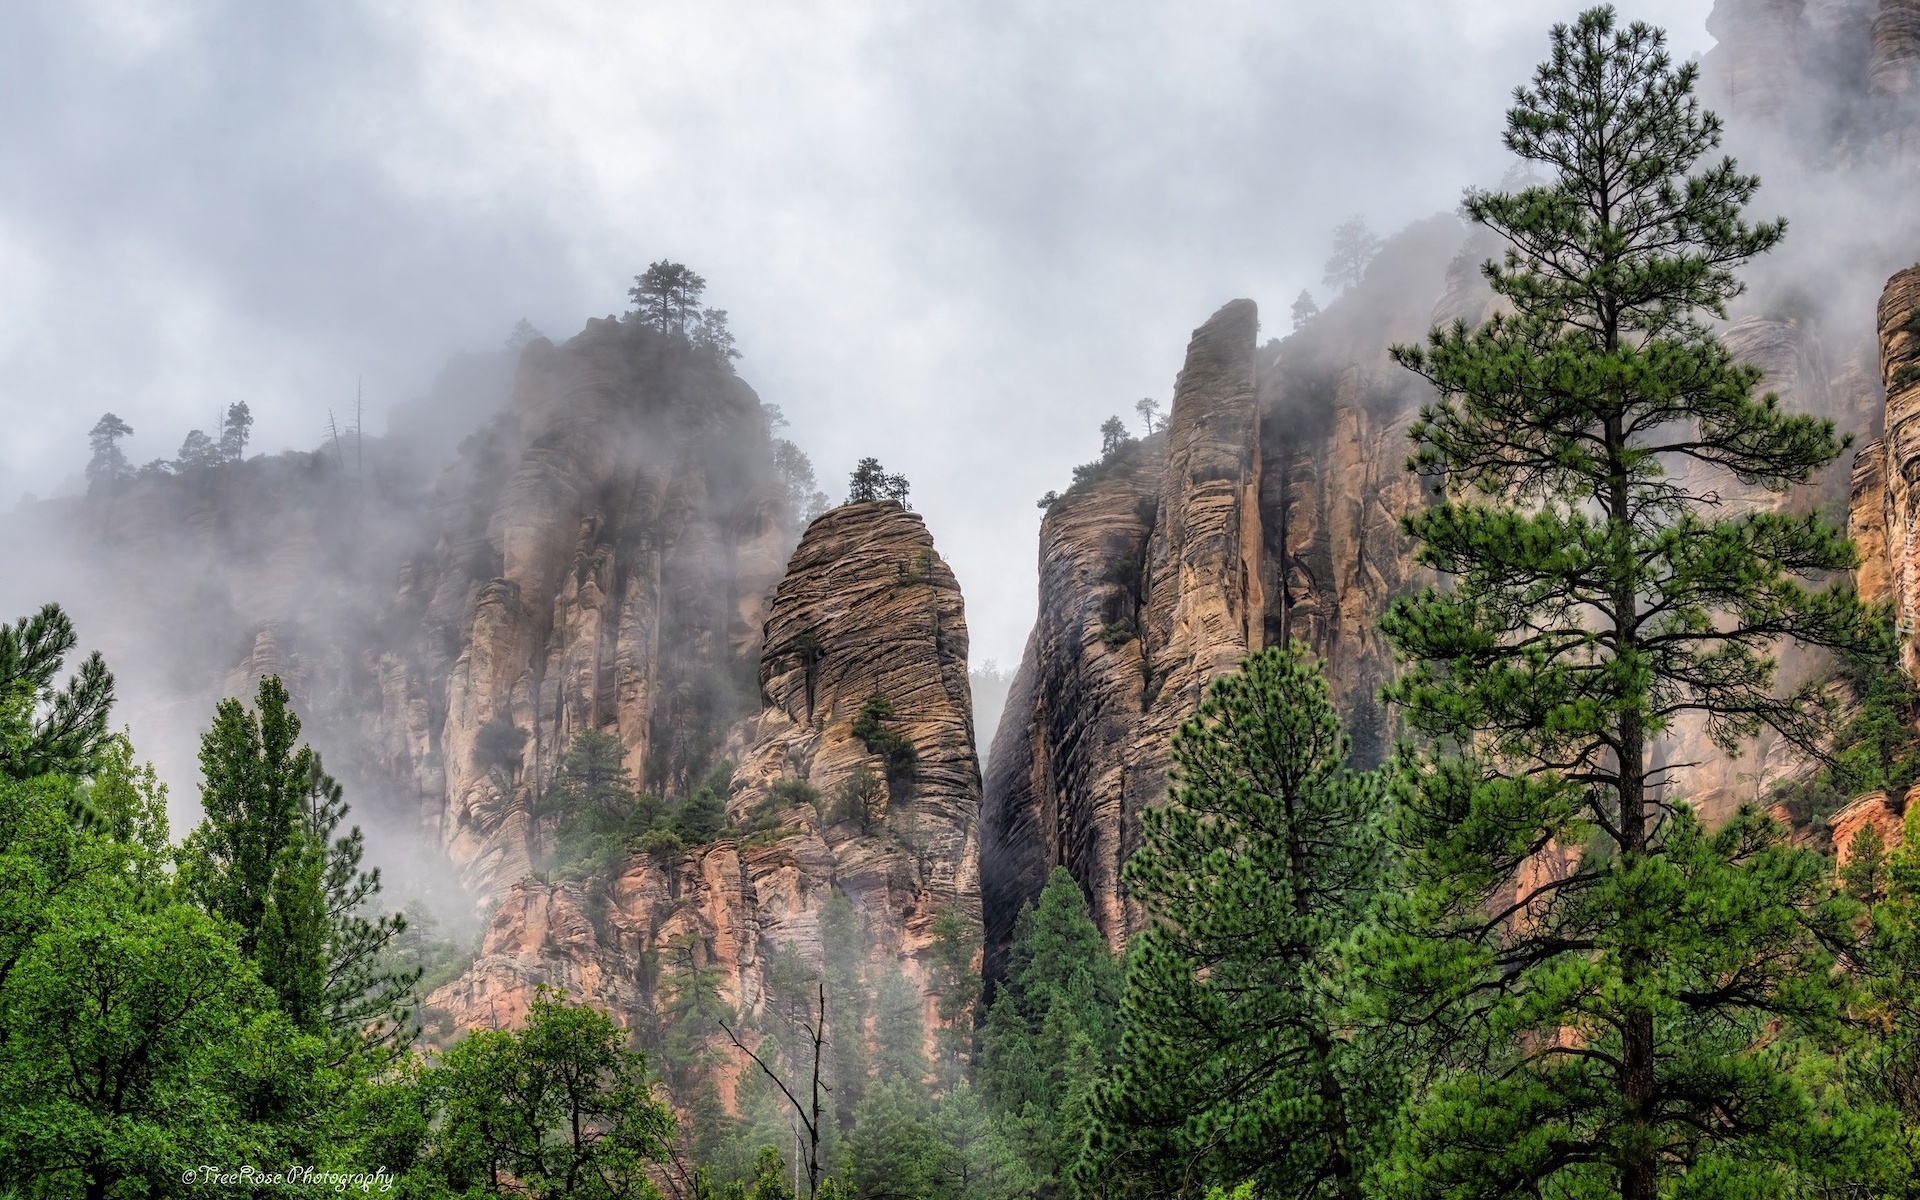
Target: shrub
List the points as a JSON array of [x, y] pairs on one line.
[[662, 845]]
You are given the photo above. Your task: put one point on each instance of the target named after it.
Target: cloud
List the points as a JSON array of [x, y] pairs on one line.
[[954, 237]]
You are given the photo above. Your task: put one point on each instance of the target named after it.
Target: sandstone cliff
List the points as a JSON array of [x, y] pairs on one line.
[[866, 608], [1267, 510], [602, 559], [1884, 513]]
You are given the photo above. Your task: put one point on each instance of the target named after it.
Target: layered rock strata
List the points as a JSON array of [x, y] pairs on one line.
[[1885, 508], [867, 608], [1270, 511], [1266, 511]]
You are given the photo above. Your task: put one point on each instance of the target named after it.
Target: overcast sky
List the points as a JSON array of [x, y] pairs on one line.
[[954, 236]]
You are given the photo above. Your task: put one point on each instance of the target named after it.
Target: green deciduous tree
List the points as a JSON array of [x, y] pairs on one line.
[[1608, 986], [561, 1108], [1237, 1062]]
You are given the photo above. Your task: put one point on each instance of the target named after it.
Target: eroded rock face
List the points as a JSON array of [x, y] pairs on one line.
[[1256, 524], [604, 554], [1268, 510], [1899, 454], [866, 608]]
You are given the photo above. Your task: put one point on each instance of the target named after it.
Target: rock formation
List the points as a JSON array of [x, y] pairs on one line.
[[867, 608], [1884, 513], [1267, 510], [604, 553], [1873, 809], [1270, 511]]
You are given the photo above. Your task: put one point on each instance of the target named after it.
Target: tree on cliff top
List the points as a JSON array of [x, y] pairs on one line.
[[1604, 984], [870, 482], [1354, 246], [667, 297], [1304, 310], [235, 431], [109, 464]]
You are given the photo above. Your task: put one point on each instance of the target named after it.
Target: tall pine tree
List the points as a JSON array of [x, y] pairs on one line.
[[1235, 1062], [1608, 985], [266, 858]]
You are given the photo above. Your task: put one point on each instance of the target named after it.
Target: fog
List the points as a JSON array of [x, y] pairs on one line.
[[953, 238]]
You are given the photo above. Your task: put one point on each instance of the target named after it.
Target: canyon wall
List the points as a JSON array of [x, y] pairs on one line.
[[602, 560], [1267, 510], [1884, 513], [866, 608], [612, 557]]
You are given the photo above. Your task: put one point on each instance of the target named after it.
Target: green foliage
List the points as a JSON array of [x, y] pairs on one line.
[[499, 744], [1115, 634], [562, 1108], [870, 482], [703, 816], [1877, 747], [46, 729], [1151, 418], [1304, 310], [798, 485], [906, 1145], [899, 1028], [1609, 998], [253, 776], [1237, 1063], [862, 798], [1119, 453], [235, 431], [1052, 1029], [292, 948], [956, 985], [1883, 1069], [267, 859], [899, 758], [123, 1030], [364, 992], [601, 821], [593, 776], [666, 299], [198, 452], [843, 949]]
